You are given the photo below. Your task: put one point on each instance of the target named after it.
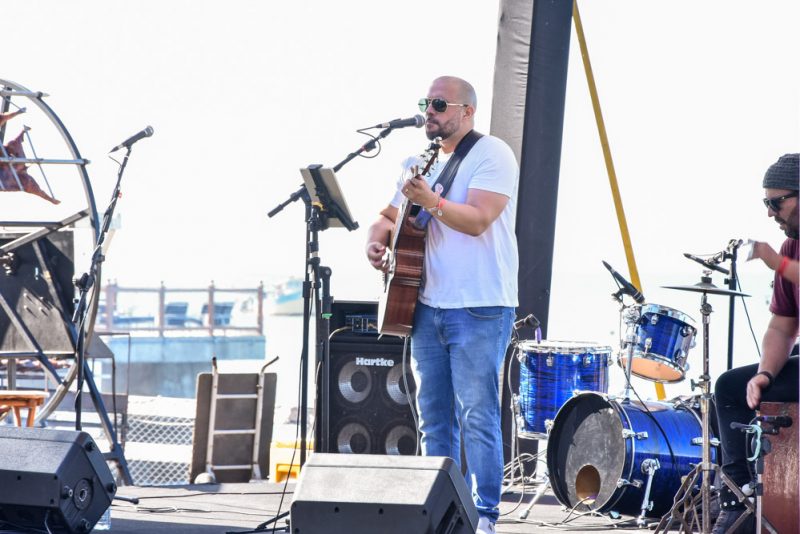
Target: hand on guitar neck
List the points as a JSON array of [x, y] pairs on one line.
[[418, 191]]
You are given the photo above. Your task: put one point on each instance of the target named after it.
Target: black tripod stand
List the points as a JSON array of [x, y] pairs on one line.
[[84, 284], [325, 208], [684, 511]]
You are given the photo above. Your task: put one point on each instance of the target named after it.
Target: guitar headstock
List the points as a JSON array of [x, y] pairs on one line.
[[430, 154], [428, 157]]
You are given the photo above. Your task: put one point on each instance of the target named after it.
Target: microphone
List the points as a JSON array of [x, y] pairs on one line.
[[707, 263], [627, 287], [529, 320], [733, 244], [417, 121], [147, 132]]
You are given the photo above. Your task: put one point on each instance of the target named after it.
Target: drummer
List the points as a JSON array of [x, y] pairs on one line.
[[775, 378]]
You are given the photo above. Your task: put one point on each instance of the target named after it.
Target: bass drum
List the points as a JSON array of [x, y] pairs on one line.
[[598, 445]]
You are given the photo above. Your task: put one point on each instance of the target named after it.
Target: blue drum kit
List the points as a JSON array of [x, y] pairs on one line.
[[620, 454]]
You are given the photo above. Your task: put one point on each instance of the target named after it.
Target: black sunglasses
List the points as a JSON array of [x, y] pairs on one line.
[[439, 105], [775, 203]]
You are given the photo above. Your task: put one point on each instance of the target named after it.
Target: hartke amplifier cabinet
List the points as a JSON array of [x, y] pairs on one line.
[[368, 410]]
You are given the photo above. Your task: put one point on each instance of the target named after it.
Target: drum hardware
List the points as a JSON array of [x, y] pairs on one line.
[[684, 510], [631, 317], [649, 468], [636, 483], [542, 488], [626, 433]]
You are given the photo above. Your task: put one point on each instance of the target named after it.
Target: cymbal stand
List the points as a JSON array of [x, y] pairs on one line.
[[685, 498], [631, 318]]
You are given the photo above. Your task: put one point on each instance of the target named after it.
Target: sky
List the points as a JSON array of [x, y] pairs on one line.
[[698, 99]]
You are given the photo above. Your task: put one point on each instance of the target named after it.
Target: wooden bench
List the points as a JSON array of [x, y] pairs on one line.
[[17, 399]]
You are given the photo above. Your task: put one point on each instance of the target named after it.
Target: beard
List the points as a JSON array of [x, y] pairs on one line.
[[791, 224], [441, 130]]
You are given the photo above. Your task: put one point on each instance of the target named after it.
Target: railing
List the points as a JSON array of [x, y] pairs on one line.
[[173, 316]]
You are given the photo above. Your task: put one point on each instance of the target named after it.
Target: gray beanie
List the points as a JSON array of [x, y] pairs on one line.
[[784, 173]]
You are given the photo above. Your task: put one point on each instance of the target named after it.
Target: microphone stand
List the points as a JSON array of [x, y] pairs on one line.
[[731, 254], [79, 317], [366, 147], [318, 215], [85, 283]]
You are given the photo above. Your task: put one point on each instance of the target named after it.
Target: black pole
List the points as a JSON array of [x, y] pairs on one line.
[[732, 285], [540, 162], [322, 443], [309, 291]]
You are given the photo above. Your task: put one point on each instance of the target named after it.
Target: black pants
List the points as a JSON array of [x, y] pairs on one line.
[[731, 400]]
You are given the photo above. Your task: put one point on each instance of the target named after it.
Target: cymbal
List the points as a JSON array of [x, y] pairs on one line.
[[711, 289]]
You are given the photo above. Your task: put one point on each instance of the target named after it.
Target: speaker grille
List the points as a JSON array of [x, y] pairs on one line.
[[355, 382]]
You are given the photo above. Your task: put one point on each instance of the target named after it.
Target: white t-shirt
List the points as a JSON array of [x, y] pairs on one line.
[[462, 271]]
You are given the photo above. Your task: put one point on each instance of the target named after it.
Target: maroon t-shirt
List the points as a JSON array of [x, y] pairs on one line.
[[785, 294]]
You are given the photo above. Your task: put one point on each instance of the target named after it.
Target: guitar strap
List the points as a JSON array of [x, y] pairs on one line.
[[448, 174]]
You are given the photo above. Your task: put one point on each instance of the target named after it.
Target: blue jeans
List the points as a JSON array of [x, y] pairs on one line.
[[456, 357]]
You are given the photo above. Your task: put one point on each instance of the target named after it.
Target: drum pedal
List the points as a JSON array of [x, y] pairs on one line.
[[649, 468]]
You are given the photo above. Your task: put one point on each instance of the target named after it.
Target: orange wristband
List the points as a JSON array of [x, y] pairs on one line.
[[439, 206], [782, 266], [437, 209]]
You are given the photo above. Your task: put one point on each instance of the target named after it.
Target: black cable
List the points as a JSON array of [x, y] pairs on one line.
[[411, 403], [647, 410], [749, 322], [207, 493], [663, 433], [747, 447], [265, 525], [20, 528], [363, 131]]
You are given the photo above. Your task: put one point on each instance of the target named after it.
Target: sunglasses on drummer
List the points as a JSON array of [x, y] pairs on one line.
[[439, 105], [775, 203]]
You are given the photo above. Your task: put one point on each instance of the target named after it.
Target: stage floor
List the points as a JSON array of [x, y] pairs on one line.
[[236, 508]]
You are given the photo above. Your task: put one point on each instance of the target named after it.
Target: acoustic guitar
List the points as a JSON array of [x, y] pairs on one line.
[[405, 258]]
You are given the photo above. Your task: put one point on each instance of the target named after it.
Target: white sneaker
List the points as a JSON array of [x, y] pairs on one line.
[[485, 526]]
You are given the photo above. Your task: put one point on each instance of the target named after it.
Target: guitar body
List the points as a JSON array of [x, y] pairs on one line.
[[402, 282], [406, 258]]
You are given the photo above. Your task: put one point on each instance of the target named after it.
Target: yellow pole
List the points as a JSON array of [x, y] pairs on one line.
[[612, 175]]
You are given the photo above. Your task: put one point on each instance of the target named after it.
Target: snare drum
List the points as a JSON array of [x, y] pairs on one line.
[[550, 373], [663, 339], [600, 450]]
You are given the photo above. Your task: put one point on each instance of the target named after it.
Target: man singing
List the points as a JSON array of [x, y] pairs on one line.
[[463, 319]]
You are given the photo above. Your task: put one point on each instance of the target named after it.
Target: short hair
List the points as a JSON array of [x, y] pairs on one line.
[[465, 89]]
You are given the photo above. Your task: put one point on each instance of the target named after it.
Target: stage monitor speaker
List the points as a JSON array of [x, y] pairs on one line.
[[369, 411], [52, 480], [363, 494]]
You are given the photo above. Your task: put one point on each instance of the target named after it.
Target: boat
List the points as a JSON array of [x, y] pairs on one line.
[[286, 298]]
